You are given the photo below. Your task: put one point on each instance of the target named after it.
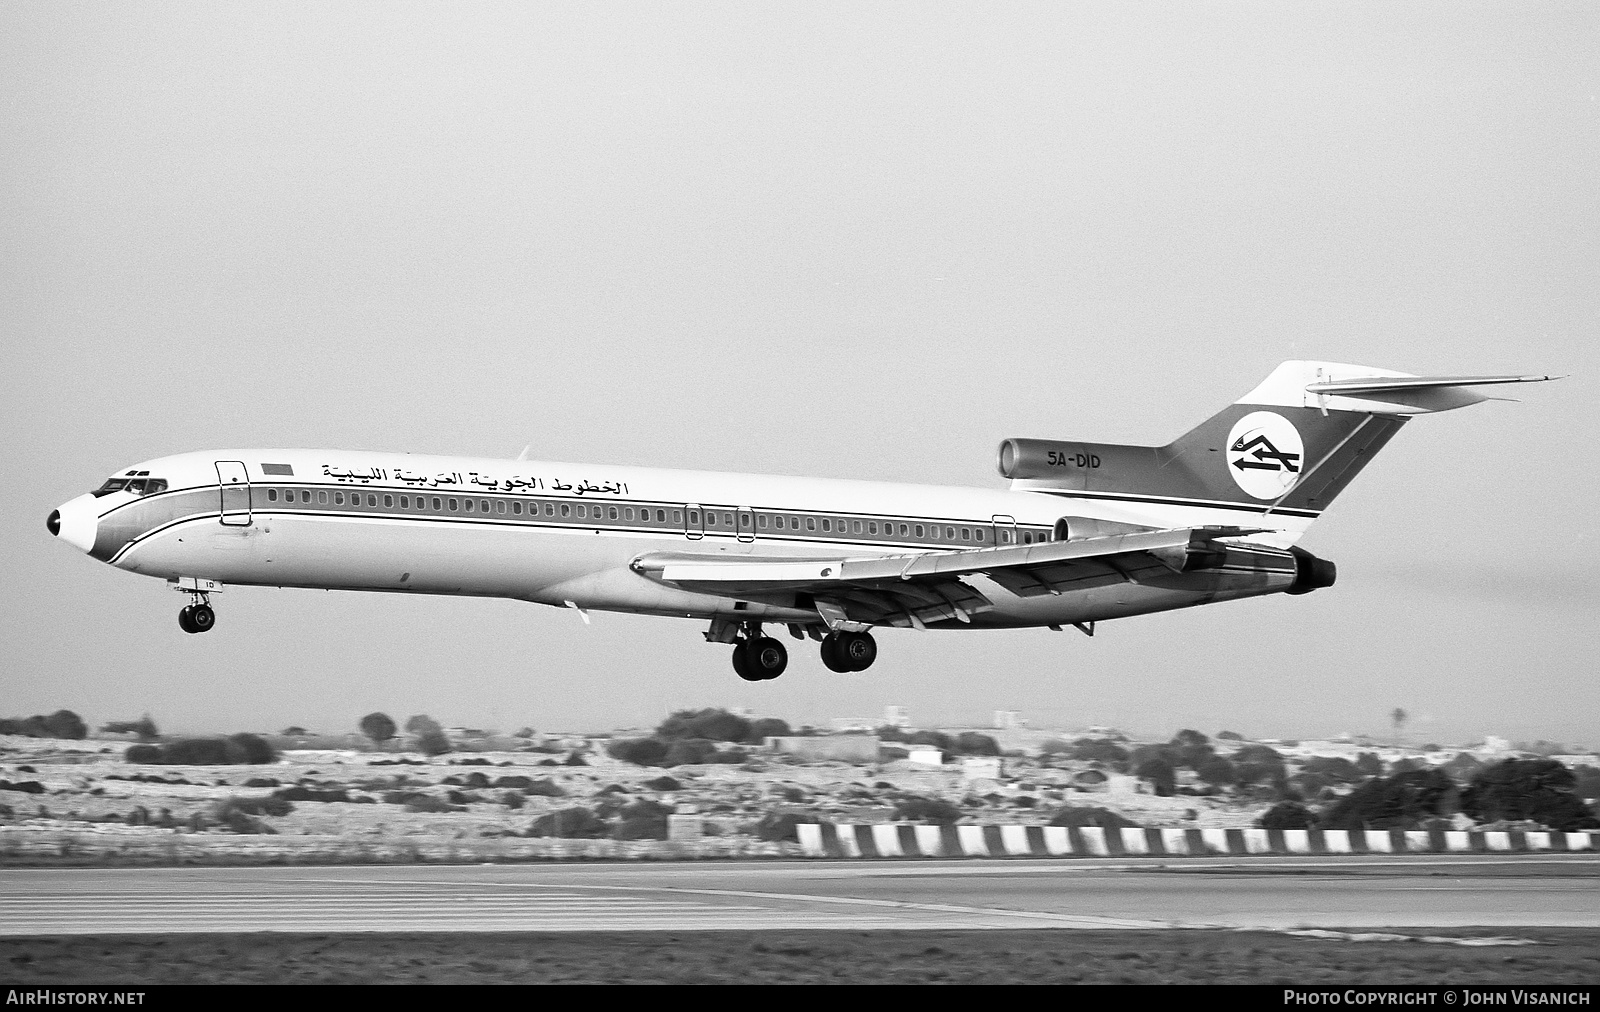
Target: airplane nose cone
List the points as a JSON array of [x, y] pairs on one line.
[[75, 522]]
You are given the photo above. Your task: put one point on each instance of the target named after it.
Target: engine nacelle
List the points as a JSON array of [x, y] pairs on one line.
[[1045, 458], [1310, 572]]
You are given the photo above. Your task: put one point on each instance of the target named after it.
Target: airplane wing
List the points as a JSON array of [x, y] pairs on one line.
[[912, 590]]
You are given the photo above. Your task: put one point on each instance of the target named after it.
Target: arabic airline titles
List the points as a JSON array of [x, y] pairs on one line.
[[1086, 532]]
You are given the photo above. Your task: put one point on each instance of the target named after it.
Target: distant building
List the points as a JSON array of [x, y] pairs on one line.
[[1007, 720], [854, 724], [896, 716]]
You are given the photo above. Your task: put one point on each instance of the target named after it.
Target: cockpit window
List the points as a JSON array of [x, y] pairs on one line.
[[137, 486]]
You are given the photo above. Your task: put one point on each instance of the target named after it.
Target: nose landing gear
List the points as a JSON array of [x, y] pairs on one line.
[[197, 616]]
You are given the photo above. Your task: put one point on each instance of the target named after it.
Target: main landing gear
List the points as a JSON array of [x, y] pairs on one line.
[[849, 651], [757, 658]]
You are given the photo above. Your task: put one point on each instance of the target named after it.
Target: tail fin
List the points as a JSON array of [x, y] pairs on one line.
[[1289, 446]]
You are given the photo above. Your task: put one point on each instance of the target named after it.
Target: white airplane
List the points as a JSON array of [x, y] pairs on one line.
[[1087, 531]]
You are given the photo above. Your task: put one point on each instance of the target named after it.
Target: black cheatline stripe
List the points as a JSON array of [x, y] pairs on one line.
[[1168, 501]]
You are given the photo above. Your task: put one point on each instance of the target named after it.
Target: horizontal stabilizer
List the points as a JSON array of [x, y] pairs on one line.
[[1418, 393]]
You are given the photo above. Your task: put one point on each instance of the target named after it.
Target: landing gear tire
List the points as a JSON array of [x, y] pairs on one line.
[[848, 651], [201, 618], [741, 663], [186, 619], [765, 657]]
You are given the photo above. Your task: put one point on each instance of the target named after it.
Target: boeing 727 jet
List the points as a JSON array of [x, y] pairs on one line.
[[1087, 531]]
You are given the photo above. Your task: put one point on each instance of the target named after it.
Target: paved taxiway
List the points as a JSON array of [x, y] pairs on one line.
[[1260, 892]]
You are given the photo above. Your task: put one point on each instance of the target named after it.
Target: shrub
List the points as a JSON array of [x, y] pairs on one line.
[[973, 743], [378, 727], [195, 752], [1158, 772], [1586, 782], [689, 751], [61, 724], [639, 751], [1369, 765], [309, 794], [1403, 801], [642, 820], [935, 811], [1091, 815], [1217, 771], [1099, 750], [234, 815], [775, 827], [569, 824], [1229, 736], [545, 788], [934, 738], [1288, 815], [664, 784], [249, 750], [711, 724], [1335, 768], [1541, 790], [142, 754], [768, 727], [1054, 747], [274, 805], [575, 758]]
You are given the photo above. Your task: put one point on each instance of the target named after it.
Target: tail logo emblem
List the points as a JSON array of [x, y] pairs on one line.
[[1265, 454]]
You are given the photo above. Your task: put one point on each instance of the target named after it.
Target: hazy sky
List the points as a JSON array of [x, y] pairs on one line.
[[863, 241]]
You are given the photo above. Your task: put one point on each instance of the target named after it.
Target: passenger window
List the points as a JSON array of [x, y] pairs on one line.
[[627, 512], [903, 530], [483, 505], [979, 533], [338, 498], [694, 516], [611, 513], [919, 529], [762, 522], [811, 523], [872, 527], [933, 532], [322, 498], [388, 501], [966, 534], [1027, 538], [272, 493], [727, 518], [826, 526], [566, 509], [372, 500], [661, 516], [744, 520], [436, 503], [516, 509], [855, 527], [468, 506], [549, 509], [453, 505], [711, 519], [677, 516]]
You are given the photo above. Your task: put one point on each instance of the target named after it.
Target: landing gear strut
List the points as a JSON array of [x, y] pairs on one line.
[[849, 651], [758, 658], [197, 617]]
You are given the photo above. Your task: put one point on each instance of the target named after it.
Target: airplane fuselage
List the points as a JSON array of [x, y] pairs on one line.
[[569, 535]]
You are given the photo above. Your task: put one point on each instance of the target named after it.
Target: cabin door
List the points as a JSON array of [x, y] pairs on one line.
[[233, 484], [1005, 531], [694, 522]]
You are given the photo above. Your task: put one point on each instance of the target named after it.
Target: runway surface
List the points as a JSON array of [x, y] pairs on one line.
[[1261, 892]]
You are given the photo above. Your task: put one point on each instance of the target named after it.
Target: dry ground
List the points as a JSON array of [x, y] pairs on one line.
[[1562, 956]]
